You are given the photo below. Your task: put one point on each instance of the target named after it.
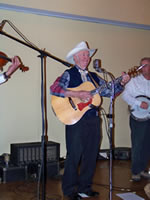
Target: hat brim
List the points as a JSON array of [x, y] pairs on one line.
[[70, 55]]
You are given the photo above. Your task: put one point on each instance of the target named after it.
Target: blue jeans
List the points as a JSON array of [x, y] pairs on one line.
[[140, 139]]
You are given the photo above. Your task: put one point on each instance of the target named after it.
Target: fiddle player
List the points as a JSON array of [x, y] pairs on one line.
[[137, 96], [82, 138], [12, 68]]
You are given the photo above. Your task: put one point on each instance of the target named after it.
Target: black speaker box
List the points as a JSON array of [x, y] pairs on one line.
[[12, 173], [118, 153], [122, 153], [26, 153]]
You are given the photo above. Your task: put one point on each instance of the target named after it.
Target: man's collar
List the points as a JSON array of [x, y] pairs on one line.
[[85, 70]]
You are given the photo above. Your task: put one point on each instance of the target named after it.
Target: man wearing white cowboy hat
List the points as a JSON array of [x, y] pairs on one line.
[[82, 135], [79, 47]]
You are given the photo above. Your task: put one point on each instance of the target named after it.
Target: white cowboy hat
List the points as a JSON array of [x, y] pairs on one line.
[[79, 47]]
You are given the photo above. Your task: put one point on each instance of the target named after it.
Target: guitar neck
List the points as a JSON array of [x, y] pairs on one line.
[[132, 72], [99, 89], [106, 85]]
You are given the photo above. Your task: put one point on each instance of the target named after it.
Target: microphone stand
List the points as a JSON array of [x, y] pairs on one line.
[[110, 140], [110, 116], [44, 138]]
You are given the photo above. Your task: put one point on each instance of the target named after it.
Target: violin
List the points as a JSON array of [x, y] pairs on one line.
[[4, 60]]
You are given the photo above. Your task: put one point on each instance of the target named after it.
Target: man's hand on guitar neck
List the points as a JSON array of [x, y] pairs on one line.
[[125, 78]]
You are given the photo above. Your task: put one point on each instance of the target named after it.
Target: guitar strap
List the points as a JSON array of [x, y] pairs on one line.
[[92, 79], [96, 86]]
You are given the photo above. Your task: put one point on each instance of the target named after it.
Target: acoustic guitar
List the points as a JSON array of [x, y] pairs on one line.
[[69, 110]]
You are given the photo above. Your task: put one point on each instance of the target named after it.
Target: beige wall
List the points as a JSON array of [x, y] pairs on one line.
[[136, 11], [119, 48]]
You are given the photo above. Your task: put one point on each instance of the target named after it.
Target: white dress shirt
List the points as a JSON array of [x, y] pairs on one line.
[[135, 87], [2, 78]]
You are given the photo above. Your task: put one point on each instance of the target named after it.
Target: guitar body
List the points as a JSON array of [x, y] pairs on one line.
[[139, 113], [70, 110]]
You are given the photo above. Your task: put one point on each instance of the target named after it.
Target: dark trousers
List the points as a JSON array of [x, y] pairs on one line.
[[140, 139], [82, 143]]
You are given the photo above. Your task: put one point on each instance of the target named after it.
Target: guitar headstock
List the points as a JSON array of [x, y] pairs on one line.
[[133, 72]]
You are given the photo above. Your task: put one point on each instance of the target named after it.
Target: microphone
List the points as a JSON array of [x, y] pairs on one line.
[[140, 67], [2, 24], [97, 66]]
